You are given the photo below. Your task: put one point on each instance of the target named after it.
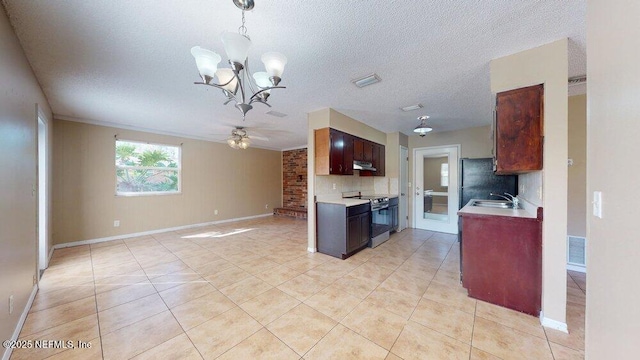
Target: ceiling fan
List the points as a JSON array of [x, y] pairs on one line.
[[240, 139]]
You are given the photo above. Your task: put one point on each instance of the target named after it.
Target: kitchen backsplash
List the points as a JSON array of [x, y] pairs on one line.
[[530, 187], [343, 183]]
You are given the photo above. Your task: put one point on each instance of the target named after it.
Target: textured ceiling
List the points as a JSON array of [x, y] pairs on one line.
[[128, 63]]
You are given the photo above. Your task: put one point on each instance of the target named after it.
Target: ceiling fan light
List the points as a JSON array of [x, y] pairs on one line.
[[423, 128], [244, 143], [236, 46], [206, 61], [226, 74], [274, 62]]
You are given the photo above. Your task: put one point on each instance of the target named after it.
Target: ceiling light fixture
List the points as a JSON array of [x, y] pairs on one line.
[[412, 107], [366, 80], [423, 128], [236, 81], [239, 139]]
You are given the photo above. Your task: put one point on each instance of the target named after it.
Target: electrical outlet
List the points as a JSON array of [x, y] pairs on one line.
[[266, 206], [35, 280], [10, 304], [334, 186], [215, 212], [116, 223], [540, 193], [522, 189]]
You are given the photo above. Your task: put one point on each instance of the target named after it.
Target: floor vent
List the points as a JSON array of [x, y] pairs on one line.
[[577, 253]]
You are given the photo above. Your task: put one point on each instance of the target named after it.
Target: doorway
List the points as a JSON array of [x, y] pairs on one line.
[[403, 202], [436, 188], [43, 221]]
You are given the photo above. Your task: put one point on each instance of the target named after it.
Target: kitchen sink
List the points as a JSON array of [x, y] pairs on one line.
[[500, 204]]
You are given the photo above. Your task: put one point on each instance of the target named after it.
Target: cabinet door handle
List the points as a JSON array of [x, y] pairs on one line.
[[340, 167]]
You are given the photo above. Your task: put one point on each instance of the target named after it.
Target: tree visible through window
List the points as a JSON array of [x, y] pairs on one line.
[[146, 168]]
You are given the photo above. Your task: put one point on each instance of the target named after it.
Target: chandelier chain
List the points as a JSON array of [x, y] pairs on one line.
[[243, 29]]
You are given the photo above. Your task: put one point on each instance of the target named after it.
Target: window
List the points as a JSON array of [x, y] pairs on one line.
[[147, 169], [444, 175]]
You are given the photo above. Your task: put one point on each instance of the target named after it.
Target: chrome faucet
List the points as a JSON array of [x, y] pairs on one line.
[[512, 199]]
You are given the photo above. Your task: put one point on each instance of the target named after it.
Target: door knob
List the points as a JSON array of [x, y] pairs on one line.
[[417, 193], [401, 194]]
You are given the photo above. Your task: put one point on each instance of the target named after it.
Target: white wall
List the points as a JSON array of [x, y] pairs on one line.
[[613, 133], [18, 201], [548, 65]]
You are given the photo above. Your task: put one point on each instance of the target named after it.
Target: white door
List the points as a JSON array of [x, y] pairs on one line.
[[403, 203], [436, 188]]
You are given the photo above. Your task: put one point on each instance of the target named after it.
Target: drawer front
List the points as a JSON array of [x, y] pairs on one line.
[[358, 209]]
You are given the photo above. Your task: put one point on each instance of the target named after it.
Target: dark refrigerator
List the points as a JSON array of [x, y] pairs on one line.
[[477, 181]]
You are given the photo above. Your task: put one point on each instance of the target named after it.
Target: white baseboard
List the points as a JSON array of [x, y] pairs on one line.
[[50, 255], [581, 269], [553, 324], [312, 250], [23, 318], [151, 232]]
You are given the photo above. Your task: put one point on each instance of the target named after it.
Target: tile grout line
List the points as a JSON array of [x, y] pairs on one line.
[[473, 328], [95, 294]]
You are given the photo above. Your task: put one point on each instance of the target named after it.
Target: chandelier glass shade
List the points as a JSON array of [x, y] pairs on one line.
[[423, 128], [237, 83]]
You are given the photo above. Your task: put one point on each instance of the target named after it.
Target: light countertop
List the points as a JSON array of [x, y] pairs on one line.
[[345, 202], [478, 210]]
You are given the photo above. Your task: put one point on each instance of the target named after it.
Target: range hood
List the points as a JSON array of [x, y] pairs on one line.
[[363, 165]]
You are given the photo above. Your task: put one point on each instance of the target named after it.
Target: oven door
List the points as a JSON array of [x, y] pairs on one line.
[[380, 221]]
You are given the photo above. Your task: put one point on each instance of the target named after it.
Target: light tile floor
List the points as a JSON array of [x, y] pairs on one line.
[[250, 290]]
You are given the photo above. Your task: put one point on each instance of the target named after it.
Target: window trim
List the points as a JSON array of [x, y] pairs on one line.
[[148, 193]]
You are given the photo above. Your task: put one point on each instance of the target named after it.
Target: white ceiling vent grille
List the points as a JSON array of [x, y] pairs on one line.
[[412, 107], [276, 114], [576, 251], [577, 80], [367, 80]]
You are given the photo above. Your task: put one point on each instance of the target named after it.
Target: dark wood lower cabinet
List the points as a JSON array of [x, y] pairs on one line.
[[393, 210], [502, 260], [342, 231]]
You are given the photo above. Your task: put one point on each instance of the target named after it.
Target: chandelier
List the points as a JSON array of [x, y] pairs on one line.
[[235, 82], [423, 128], [239, 139]]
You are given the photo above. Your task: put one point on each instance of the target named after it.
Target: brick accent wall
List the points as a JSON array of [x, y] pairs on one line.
[[294, 179]]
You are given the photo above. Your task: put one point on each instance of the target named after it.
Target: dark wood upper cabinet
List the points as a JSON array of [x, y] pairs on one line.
[[333, 152], [519, 130], [378, 159], [358, 149], [368, 151], [347, 154], [337, 152]]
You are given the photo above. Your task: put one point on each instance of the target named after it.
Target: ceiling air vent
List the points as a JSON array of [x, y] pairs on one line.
[[577, 80], [367, 80], [276, 114], [412, 107]]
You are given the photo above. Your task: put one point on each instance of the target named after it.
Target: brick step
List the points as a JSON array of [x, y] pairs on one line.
[[295, 213]]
